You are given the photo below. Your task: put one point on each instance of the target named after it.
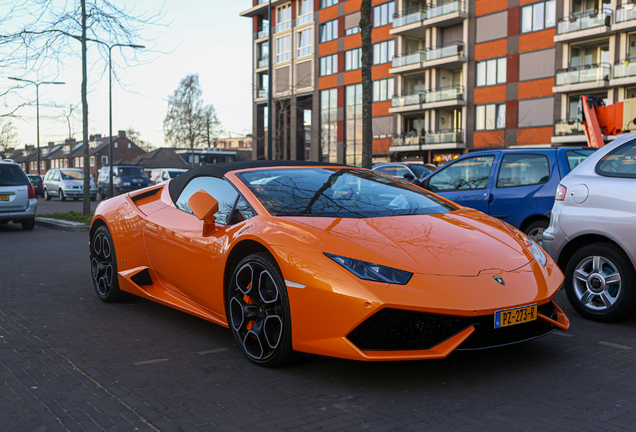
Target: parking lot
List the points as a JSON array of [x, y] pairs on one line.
[[70, 362]]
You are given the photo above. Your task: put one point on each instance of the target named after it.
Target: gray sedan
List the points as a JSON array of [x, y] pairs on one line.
[[592, 232]]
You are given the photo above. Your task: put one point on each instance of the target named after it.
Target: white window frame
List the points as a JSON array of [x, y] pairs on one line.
[[483, 68], [104, 160], [329, 65], [306, 37], [283, 56], [490, 117], [304, 16], [537, 23], [92, 161], [283, 11]]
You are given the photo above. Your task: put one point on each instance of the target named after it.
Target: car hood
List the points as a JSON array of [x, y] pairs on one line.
[[461, 243]]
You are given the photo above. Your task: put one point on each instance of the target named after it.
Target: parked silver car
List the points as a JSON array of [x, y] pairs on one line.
[[592, 232], [66, 183], [17, 196]]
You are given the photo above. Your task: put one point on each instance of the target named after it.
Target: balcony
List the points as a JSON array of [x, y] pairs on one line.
[[624, 72], [432, 140], [584, 26], [429, 99], [444, 94], [444, 137], [447, 57], [262, 62], [262, 32], [625, 18], [408, 139], [586, 77], [407, 100], [261, 93], [442, 13]]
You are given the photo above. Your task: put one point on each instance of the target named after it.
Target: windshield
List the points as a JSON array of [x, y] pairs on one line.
[[131, 172], [346, 193], [420, 171], [12, 175], [72, 175]]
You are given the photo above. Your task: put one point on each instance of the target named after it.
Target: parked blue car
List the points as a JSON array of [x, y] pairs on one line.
[[125, 179], [515, 185]]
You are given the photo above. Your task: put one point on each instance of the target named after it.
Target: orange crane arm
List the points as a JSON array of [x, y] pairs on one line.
[[590, 123]]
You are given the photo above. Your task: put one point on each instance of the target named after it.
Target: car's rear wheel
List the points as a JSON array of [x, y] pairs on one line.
[[46, 195], [62, 196], [600, 282], [28, 224], [104, 266], [535, 230], [258, 311]]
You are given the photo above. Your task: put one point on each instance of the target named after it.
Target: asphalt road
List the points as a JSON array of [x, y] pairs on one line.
[[57, 206], [69, 362]]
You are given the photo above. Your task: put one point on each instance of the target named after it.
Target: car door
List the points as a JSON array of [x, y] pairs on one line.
[[525, 186], [190, 263], [466, 181], [55, 183]]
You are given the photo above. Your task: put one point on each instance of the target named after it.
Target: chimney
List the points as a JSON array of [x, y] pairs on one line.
[[122, 134], [98, 136], [51, 144], [28, 148]]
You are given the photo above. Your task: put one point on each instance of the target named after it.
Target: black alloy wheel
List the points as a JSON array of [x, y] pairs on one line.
[[258, 311], [104, 266]]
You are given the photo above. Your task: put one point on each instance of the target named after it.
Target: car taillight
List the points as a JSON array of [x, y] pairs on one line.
[[560, 193], [31, 191]]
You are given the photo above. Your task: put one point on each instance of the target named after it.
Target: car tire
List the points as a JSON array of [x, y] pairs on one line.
[[62, 196], [258, 314], [28, 224], [535, 230], [46, 195], [104, 267], [75, 199], [600, 282], [93, 197]]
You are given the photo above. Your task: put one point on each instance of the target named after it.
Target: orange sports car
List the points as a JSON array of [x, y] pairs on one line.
[[325, 259]]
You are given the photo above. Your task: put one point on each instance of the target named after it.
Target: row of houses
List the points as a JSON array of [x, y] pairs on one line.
[[70, 154]]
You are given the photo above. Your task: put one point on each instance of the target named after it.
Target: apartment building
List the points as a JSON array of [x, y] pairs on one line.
[[595, 45], [448, 76]]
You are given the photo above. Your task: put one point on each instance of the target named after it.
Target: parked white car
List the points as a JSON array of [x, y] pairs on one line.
[[161, 175], [67, 183], [592, 232]]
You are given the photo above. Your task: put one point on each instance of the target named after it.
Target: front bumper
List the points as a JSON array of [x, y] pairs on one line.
[[27, 214], [78, 193]]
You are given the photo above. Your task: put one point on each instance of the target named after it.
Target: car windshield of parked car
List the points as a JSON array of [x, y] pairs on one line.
[[72, 175], [334, 192], [12, 175], [131, 172], [174, 174], [420, 171]]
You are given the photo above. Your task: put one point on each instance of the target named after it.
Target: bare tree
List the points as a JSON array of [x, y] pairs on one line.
[[188, 121], [135, 136], [367, 85], [8, 136]]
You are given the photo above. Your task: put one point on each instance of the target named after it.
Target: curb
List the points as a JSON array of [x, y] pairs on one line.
[[61, 225]]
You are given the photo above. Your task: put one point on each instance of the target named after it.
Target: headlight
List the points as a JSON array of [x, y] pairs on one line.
[[373, 272], [125, 183], [537, 252]]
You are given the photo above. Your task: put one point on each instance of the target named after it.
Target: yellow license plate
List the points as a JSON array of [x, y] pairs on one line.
[[505, 318], [4, 197]]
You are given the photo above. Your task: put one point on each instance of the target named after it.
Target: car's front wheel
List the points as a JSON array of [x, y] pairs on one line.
[[62, 196], [104, 266], [600, 282], [46, 195], [258, 311]]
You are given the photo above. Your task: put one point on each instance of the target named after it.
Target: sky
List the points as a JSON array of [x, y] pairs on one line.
[[207, 37]]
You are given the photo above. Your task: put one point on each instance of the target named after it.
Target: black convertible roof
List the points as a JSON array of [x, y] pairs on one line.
[[219, 170]]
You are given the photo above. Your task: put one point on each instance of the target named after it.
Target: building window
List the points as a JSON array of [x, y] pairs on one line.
[[329, 125], [327, 3], [491, 72], [92, 161], [383, 90], [305, 11], [42, 165], [329, 65], [353, 125], [282, 49], [283, 17], [305, 39], [538, 16], [490, 117], [352, 31], [383, 52], [104, 160], [383, 14], [353, 59], [329, 31]]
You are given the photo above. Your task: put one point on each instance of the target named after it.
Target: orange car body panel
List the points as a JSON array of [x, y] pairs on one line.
[[451, 256]]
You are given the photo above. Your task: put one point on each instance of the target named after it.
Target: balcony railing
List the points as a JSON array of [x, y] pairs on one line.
[[261, 92], [407, 139], [444, 94], [625, 68], [442, 7], [443, 52], [444, 136], [568, 127], [409, 59], [581, 74], [262, 61], [626, 13], [408, 16], [407, 99], [262, 32], [584, 21]]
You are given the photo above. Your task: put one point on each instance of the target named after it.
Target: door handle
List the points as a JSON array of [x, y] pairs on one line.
[[490, 198]]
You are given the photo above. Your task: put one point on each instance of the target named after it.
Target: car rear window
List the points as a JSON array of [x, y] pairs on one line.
[[131, 172], [35, 179], [575, 157], [12, 175]]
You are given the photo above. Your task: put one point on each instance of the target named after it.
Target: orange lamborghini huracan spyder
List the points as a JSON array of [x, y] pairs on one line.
[[325, 259]]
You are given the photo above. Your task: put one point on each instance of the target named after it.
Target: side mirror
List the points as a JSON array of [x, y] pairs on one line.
[[204, 206], [408, 176]]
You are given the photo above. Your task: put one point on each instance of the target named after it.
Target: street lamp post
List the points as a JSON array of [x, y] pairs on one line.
[[110, 111], [37, 104]]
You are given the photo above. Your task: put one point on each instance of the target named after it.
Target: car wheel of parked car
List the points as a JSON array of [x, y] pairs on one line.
[[62, 196], [46, 195], [258, 311], [535, 230], [93, 197], [600, 282], [28, 224], [104, 266]]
